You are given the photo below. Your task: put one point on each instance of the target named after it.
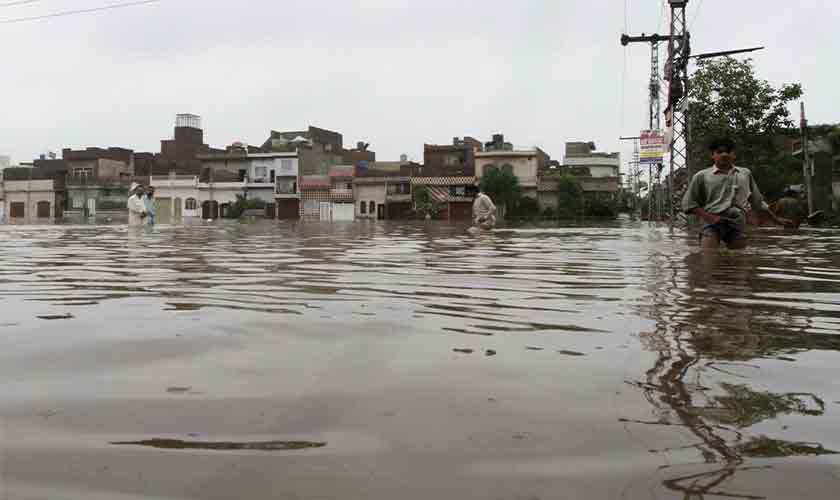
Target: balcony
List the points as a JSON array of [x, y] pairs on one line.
[[398, 198], [96, 181], [341, 194]]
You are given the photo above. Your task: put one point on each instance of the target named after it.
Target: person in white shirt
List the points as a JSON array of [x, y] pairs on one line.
[[136, 207], [484, 211]]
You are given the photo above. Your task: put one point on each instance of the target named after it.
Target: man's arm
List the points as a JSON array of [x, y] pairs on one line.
[[693, 201], [759, 205]]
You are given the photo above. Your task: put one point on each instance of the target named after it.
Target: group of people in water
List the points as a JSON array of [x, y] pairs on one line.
[[141, 205]]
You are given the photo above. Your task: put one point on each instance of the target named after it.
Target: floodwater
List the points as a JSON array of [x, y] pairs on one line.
[[400, 361]]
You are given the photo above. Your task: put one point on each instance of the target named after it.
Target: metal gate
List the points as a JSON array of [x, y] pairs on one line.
[[343, 212], [91, 207], [326, 211]]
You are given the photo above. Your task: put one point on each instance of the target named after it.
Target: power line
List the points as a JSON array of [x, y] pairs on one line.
[[78, 11], [19, 2]]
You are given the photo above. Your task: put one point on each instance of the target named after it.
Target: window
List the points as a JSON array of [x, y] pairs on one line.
[[260, 173], [363, 208], [190, 204], [372, 207], [286, 166], [43, 210], [82, 171], [507, 168], [450, 160], [18, 210], [78, 202], [488, 168], [457, 190]]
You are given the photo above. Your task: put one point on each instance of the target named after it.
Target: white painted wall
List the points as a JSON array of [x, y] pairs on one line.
[[524, 167], [30, 193], [367, 193]]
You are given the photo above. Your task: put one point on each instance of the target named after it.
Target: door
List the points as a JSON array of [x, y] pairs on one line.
[[176, 209], [17, 210], [326, 211], [343, 212], [380, 212], [163, 207], [91, 207], [43, 210], [210, 210]]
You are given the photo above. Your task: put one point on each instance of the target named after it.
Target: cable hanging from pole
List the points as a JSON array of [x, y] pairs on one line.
[[77, 11], [19, 2]]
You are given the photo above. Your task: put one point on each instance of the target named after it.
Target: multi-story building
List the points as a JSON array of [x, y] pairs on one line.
[[97, 179], [524, 163], [383, 191], [456, 159], [598, 173], [317, 149], [187, 142]]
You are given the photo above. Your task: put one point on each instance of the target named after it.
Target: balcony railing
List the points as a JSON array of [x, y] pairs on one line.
[[91, 180]]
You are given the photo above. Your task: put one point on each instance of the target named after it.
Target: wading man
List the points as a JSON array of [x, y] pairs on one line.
[[484, 211], [136, 206], [721, 195]]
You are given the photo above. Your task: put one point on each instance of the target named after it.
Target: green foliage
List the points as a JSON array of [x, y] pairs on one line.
[[569, 197], [525, 207], [424, 205], [241, 204], [726, 98], [600, 208], [502, 187]]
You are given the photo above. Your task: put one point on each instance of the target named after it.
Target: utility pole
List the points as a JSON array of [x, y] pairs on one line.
[[676, 113], [634, 170], [806, 159], [654, 104]]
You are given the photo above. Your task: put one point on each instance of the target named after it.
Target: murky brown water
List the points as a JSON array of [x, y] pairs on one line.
[[233, 361]]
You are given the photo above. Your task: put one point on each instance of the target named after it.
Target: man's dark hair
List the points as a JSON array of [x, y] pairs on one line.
[[722, 143]]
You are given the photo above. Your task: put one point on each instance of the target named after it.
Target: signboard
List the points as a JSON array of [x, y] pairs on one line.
[[652, 146]]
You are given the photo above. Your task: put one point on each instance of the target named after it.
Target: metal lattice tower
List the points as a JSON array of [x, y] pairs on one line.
[[654, 115], [676, 113]]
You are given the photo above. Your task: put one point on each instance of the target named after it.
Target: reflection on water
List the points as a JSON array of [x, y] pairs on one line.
[[610, 354], [719, 317]]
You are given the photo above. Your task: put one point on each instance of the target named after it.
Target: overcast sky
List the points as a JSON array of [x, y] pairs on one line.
[[395, 73]]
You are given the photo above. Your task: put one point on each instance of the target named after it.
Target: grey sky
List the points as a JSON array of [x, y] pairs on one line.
[[391, 72]]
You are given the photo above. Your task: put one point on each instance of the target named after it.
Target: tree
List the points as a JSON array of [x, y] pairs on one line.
[[502, 186], [424, 204], [727, 99], [241, 204], [569, 196]]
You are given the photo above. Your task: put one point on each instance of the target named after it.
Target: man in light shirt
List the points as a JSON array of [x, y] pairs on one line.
[[721, 195], [484, 211], [136, 207]]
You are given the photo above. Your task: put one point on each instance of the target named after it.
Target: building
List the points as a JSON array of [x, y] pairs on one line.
[[187, 142], [383, 191], [524, 163], [456, 159], [455, 195], [208, 195], [360, 156], [598, 173], [317, 149], [30, 196], [97, 180]]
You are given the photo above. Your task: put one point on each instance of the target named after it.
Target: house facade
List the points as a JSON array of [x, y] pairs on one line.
[[524, 164], [454, 194], [30, 201]]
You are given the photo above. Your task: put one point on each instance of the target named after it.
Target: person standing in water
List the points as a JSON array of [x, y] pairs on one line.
[[484, 211], [136, 207], [149, 203], [721, 195]]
